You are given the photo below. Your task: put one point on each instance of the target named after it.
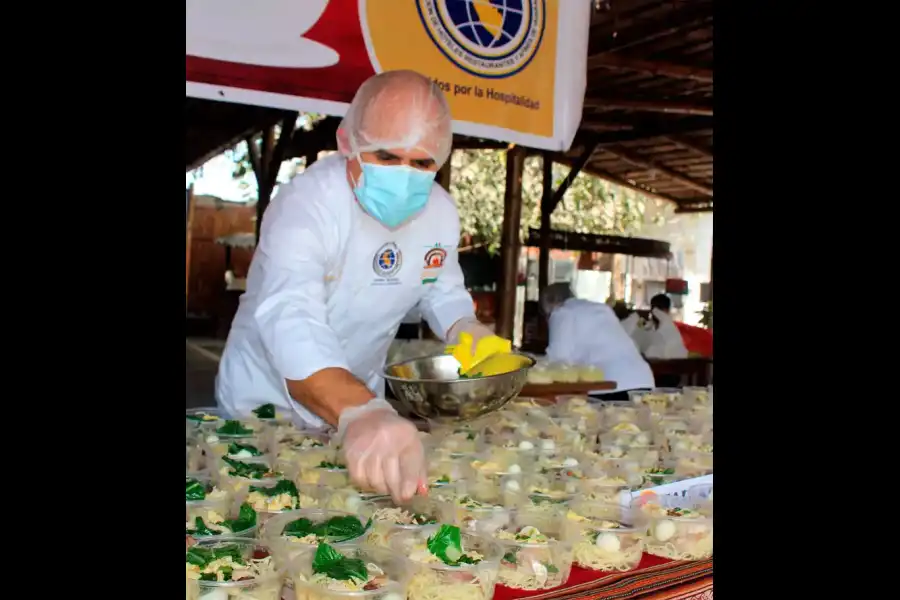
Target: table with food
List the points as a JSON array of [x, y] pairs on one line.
[[525, 498]]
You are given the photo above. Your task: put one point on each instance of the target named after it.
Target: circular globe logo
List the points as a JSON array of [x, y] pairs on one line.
[[487, 38]]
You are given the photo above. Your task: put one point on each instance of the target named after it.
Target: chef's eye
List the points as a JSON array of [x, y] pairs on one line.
[[385, 156], [423, 163]]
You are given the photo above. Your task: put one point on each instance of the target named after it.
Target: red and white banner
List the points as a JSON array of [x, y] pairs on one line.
[[513, 70]]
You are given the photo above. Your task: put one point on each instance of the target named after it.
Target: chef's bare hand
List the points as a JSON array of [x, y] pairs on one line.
[[383, 450]]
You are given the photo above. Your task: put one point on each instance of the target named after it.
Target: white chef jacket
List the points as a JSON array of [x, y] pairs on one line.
[[329, 285], [589, 333]]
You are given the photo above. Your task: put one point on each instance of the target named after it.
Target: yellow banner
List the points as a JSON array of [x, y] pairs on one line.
[[494, 59]]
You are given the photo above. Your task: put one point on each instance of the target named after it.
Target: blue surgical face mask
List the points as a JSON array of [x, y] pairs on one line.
[[393, 193]]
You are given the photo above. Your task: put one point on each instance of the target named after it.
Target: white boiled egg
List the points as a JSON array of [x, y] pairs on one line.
[[526, 445], [664, 530], [212, 439], [570, 462], [641, 440], [512, 486], [608, 542], [547, 445], [514, 469], [352, 502], [242, 454]]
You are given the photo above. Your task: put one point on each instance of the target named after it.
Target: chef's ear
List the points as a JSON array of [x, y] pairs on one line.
[[343, 142]]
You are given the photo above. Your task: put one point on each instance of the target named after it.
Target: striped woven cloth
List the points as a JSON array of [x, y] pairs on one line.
[[654, 579]]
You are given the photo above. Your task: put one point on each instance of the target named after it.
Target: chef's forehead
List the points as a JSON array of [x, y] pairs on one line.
[[403, 109]]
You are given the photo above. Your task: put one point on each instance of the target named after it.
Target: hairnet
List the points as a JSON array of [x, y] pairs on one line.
[[398, 109], [555, 294]]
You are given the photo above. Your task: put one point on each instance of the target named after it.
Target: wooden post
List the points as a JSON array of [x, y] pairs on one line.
[[510, 245], [189, 223], [546, 212]]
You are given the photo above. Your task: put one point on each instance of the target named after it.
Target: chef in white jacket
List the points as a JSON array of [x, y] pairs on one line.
[[346, 250], [589, 333]]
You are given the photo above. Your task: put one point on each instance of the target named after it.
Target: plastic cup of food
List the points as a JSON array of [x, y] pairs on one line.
[[610, 487], [701, 496], [306, 449], [207, 417], [676, 530], [219, 518], [292, 531], [346, 498], [606, 537], [475, 508], [389, 518], [693, 464], [220, 568], [432, 579], [444, 469], [695, 396], [237, 475], [200, 487], [536, 553], [234, 429], [387, 572], [244, 448], [540, 374], [564, 373], [276, 496], [195, 461]]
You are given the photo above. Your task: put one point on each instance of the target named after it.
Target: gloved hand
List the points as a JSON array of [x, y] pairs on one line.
[[383, 450]]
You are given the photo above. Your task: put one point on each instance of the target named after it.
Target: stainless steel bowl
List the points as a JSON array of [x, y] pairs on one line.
[[430, 387]]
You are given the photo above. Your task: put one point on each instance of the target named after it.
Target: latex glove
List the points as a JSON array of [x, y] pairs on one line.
[[383, 450]]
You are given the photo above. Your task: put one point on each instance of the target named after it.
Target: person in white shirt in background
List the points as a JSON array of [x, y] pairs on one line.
[[658, 337], [589, 333], [346, 250]]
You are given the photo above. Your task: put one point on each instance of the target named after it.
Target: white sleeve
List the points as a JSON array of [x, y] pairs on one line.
[[298, 241], [561, 341], [447, 300]]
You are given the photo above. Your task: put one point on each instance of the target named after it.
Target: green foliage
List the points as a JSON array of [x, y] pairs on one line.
[[590, 205]]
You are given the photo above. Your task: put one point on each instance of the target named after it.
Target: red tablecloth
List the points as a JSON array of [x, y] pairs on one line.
[[655, 578]]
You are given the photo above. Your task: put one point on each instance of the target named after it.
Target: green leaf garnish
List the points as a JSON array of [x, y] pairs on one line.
[[446, 544], [194, 490], [510, 557], [248, 470], [284, 486], [330, 465], [334, 530], [200, 529], [203, 556], [235, 448], [550, 568], [333, 564], [234, 428], [245, 520], [266, 411]]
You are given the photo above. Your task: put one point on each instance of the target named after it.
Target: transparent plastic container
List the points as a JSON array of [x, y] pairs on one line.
[[677, 530], [263, 584], [195, 461], [201, 487], [397, 569], [692, 396], [477, 508], [611, 483], [346, 498], [235, 429], [437, 581], [540, 374], [445, 469], [274, 497], [306, 449], [287, 547], [245, 448], [701, 497], [238, 475], [535, 565], [212, 513], [564, 373], [206, 417], [382, 512], [606, 537]]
